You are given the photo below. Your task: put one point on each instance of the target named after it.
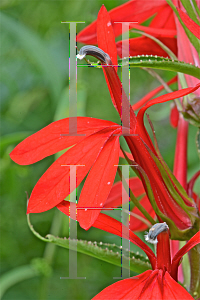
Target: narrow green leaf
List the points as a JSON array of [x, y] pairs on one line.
[[106, 252], [157, 62], [110, 253]]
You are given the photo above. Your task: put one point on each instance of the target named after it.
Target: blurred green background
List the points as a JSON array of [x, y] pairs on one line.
[[34, 92]]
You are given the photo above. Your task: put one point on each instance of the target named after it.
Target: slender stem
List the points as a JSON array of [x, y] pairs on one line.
[[138, 217], [16, 275], [195, 271], [49, 252], [135, 201]]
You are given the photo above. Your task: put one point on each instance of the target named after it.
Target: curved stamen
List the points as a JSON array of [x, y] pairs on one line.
[[96, 52]]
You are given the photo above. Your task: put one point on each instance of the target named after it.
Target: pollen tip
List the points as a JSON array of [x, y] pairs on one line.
[[80, 56]]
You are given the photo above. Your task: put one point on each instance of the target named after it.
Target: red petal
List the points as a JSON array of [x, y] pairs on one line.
[[147, 97], [161, 99], [129, 11], [105, 35], [136, 224], [157, 32], [125, 289], [99, 183], [52, 139], [174, 117], [144, 45], [106, 41], [54, 185], [148, 285], [190, 24], [164, 18], [174, 247], [176, 260], [116, 91], [164, 199], [191, 183], [115, 197]]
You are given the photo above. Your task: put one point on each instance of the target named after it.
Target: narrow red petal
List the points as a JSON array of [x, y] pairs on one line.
[[105, 35], [106, 41], [116, 90], [54, 185], [191, 183], [147, 97], [99, 183], [161, 99], [54, 138], [176, 260], [190, 24], [174, 116]]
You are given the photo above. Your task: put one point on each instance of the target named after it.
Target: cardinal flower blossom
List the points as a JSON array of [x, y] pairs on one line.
[[171, 199], [90, 150], [160, 283]]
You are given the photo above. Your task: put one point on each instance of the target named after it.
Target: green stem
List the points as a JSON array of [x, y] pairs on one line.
[[49, 252], [135, 201], [194, 256], [16, 275]]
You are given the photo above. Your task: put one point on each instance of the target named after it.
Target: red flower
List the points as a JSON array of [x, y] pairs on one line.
[[98, 150], [162, 26], [160, 283], [92, 150], [170, 197]]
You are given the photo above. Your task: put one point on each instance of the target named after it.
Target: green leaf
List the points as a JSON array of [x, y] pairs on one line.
[[106, 252], [37, 51], [157, 62], [110, 253]]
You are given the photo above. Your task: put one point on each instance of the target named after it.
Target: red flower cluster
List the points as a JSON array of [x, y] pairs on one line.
[[95, 151]]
